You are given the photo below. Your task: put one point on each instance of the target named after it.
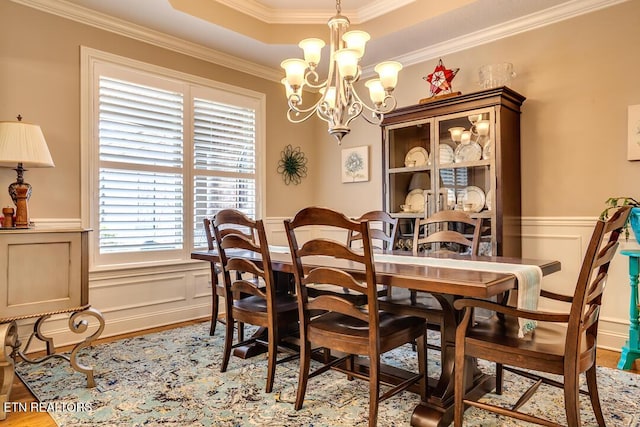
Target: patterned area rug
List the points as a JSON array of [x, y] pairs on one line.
[[172, 378]]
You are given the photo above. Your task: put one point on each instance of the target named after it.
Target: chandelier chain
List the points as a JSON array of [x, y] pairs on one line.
[[338, 7]]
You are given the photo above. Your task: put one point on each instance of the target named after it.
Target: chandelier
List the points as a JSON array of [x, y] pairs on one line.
[[339, 102]]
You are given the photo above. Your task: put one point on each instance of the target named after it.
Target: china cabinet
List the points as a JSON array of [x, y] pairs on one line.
[[462, 153]]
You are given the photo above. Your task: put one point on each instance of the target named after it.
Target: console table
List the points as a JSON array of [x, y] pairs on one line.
[[43, 272], [631, 349]]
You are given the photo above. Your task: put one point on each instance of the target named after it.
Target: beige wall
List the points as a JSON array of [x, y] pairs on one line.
[[578, 75], [40, 79]]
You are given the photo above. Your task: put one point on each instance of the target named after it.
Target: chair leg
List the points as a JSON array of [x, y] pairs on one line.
[[240, 331], [350, 366], [458, 414], [499, 378], [215, 302], [273, 353], [592, 384], [374, 389], [572, 398], [303, 377], [228, 341]]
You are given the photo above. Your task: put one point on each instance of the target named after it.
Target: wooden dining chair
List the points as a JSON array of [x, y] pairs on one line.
[[249, 286], [447, 231], [334, 322], [383, 229], [563, 343], [441, 232]]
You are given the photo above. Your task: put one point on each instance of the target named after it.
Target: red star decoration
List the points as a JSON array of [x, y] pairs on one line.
[[440, 79]]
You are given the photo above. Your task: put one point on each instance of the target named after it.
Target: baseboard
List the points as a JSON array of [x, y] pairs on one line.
[[56, 327]]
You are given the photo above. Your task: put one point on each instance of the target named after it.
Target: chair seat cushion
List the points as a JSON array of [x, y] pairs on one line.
[[546, 341], [335, 327], [283, 302]]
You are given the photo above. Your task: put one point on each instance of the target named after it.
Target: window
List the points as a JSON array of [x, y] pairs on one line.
[[163, 151]]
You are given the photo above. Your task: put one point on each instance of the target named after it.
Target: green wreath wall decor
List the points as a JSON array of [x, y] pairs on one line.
[[292, 165]]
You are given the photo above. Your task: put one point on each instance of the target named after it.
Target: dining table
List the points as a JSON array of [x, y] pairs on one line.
[[423, 272]]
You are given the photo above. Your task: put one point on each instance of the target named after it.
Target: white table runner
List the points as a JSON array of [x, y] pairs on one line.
[[529, 278]]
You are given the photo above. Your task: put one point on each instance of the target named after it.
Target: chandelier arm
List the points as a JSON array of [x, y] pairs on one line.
[[308, 82], [299, 110], [387, 105], [291, 115]]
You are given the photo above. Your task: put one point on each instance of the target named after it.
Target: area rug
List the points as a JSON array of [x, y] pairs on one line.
[[173, 378]]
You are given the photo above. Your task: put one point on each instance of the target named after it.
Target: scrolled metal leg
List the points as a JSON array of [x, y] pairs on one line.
[[79, 326], [76, 325], [9, 340]]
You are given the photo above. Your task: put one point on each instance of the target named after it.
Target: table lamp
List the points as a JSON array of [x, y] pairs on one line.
[[22, 145]]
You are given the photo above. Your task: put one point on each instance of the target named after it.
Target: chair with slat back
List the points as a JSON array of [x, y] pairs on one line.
[[383, 232], [249, 286], [441, 232], [383, 229], [445, 231], [563, 343], [334, 322]]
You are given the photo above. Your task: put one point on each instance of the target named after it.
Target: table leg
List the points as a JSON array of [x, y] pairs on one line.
[[437, 411], [8, 339], [631, 349]]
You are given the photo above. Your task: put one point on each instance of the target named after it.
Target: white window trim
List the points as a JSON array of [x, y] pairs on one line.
[[88, 148]]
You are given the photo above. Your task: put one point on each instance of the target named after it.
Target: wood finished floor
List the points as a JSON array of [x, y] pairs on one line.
[[20, 393]]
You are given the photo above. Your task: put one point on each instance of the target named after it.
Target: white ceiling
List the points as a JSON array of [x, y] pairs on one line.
[[478, 22]]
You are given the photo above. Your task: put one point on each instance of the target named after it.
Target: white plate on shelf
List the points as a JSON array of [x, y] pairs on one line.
[[469, 152], [489, 199], [446, 154], [415, 200], [475, 197], [417, 156]]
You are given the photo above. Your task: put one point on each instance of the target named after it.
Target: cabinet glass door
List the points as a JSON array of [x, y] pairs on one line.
[[464, 167], [410, 168]]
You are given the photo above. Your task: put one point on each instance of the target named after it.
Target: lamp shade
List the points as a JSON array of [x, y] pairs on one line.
[[24, 143]]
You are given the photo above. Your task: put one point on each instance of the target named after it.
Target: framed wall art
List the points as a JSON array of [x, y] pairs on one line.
[[355, 164], [633, 138]]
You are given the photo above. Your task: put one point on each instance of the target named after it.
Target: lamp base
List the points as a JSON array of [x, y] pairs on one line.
[[13, 187], [22, 210]]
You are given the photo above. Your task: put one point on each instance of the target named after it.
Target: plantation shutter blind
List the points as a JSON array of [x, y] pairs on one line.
[[224, 156], [141, 177]]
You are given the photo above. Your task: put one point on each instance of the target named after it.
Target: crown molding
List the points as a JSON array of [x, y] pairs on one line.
[[530, 22], [271, 15], [137, 32], [507, 29]]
